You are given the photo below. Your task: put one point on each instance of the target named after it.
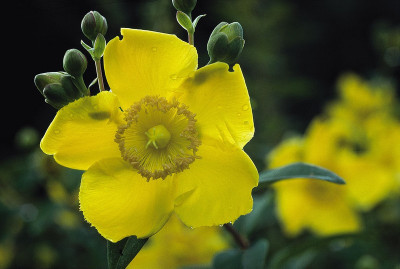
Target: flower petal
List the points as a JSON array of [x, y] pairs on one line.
[[83, 131], [119, 202], [221, 102], [216, 189], [147, 63], [316, 205]]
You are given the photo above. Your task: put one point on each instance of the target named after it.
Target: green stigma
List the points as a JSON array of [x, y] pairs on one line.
[[158, 136]]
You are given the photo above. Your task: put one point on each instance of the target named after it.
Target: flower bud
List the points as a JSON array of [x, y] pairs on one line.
[[226, 43], [185, 6], [44, 79], [55, 95], [58, 88], [93, 24], [74, 63]]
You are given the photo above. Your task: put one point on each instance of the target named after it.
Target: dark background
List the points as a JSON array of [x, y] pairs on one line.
[[294, 52]]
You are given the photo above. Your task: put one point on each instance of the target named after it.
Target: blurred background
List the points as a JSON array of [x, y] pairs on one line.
[[295, 52]]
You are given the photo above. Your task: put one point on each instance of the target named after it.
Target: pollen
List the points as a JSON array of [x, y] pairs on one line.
[[159, 137]]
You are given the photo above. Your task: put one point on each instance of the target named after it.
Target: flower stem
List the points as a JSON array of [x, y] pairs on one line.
[[99, 74], [191, 38], [239, 239]]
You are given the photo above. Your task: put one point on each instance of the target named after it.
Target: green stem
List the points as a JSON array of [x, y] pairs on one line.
[[239, 239], [191, 38], [99, 74], [80, 84]]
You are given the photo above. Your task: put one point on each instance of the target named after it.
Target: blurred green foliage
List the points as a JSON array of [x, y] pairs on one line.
[[294, 53]]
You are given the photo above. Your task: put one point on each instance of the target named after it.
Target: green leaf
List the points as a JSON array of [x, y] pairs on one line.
[[120, 254], [256, 219], [197, 20], [92, 83], [298, 170], [99, 47], [300, 254], [254, 257], [230, 259], [184, 20], [87, 48]]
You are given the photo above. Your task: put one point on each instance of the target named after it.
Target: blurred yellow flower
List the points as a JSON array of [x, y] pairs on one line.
[[309, 204], [168, 138], [358, 138], [7, 253], [177, 245]]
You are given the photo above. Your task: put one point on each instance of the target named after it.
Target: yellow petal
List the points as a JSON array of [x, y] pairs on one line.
[[340, 218], [220, 100], [147, 63], [169, 247], [216, 188], [368, 182], [119, 202], [316, 205], [83, 131]]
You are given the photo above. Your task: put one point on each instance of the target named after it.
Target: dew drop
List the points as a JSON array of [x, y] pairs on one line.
[[154, 49], [173, 76], [238, 114], [246, 122], [57, 131], [245, 107]]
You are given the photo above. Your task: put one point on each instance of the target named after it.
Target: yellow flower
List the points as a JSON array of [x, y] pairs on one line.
[[364, 97], [169, 248], [167, 138], [358, 140], [308, 203]]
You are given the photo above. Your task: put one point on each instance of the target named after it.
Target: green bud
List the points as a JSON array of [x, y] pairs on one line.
[[56, 95], [93, 24], [226, 43], [58, 88], [74, 63], [99, 47], [44, 79], [70, 87], [185, 6]]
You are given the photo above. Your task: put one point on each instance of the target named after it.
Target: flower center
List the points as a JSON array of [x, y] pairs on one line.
[[159, 137]]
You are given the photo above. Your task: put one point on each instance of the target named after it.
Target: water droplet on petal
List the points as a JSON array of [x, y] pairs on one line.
[[239, 114], [246, 122], [154, 49], [56, 131], [245, 107], [173, 76]]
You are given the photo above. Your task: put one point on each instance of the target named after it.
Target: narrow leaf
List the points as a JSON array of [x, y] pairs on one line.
[[254, 257], [120, 254], [92, 83], [114, 251], [184, 20], [298, 170], [229, 259], [197, 20]]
